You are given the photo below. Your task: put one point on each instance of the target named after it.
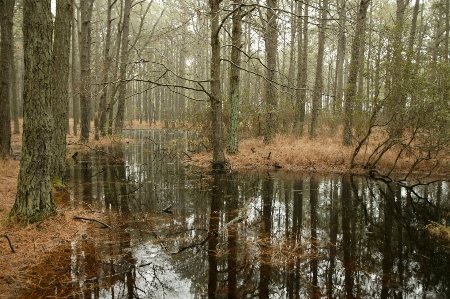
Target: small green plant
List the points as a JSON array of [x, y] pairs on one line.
[[58, 183]]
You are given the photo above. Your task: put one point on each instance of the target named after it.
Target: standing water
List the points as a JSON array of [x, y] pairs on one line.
[[184, 232]]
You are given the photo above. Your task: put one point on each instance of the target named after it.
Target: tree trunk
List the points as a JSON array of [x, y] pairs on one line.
[[270, 95], [318, 83], [115, 71], [446, 38], [85, 65], [236, 41], [355, 64], [412, 32], [302, 71], [75, 71], [34, 199], [123, 68], [106, 67], [6, 61], [340, 58], [15, 75], [60, 84], [214, 95]]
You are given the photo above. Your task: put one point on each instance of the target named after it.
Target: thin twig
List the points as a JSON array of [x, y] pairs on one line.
[[9, 241]]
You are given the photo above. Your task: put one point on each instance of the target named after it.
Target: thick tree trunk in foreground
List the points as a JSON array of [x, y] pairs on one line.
[[236, 40], [60, 84], [34, 199], [350, 92], [214, 96], [6, 61]]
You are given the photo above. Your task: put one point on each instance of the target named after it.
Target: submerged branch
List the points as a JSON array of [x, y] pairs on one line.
[[94, 149], [91, 219], [239, 218], [378, 175], [193, 245], [167, 209]]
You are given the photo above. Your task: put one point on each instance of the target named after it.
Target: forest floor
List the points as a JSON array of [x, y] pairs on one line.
[[34, 242]]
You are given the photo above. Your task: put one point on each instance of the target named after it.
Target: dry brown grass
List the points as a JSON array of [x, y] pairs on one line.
[[326, 154], [287, 152]]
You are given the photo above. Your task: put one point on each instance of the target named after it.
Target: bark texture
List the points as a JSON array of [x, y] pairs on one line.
[[34, 199], [214, 95], [236, 40], [302, 71], [318, 82], [123, 68], [6, 61], [270, 95], [60, 84], [355, 64], [85, 65], [106, 68]]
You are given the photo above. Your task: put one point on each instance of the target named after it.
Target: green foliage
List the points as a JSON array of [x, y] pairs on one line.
[[58, 183]]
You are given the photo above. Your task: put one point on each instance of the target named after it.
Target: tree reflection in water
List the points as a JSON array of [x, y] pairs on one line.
[[242, 235]]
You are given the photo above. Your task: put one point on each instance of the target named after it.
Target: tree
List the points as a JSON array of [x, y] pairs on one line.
[[123, 67], [318, 83], [34, 199], [6, 61], [75, 69], [106, 69], [270, 95], [219, 159], [85, 65], [236, 44], [60, 84], [302, 71], [340, 57], [350, 92]]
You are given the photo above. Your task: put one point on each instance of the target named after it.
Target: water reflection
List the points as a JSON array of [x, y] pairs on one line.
[[243, 235]]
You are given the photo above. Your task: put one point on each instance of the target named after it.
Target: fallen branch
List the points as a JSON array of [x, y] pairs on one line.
[[193, 245], [187, 155], [167, 209], [9, 241], [91, 219], [133, 191], [378, 175], [91, 148], [239, 218], [242, 215]]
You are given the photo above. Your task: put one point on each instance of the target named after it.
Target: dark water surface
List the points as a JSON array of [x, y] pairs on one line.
[[243, 235]]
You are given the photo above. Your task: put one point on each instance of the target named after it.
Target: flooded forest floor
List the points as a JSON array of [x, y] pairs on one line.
[[31, 244]]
